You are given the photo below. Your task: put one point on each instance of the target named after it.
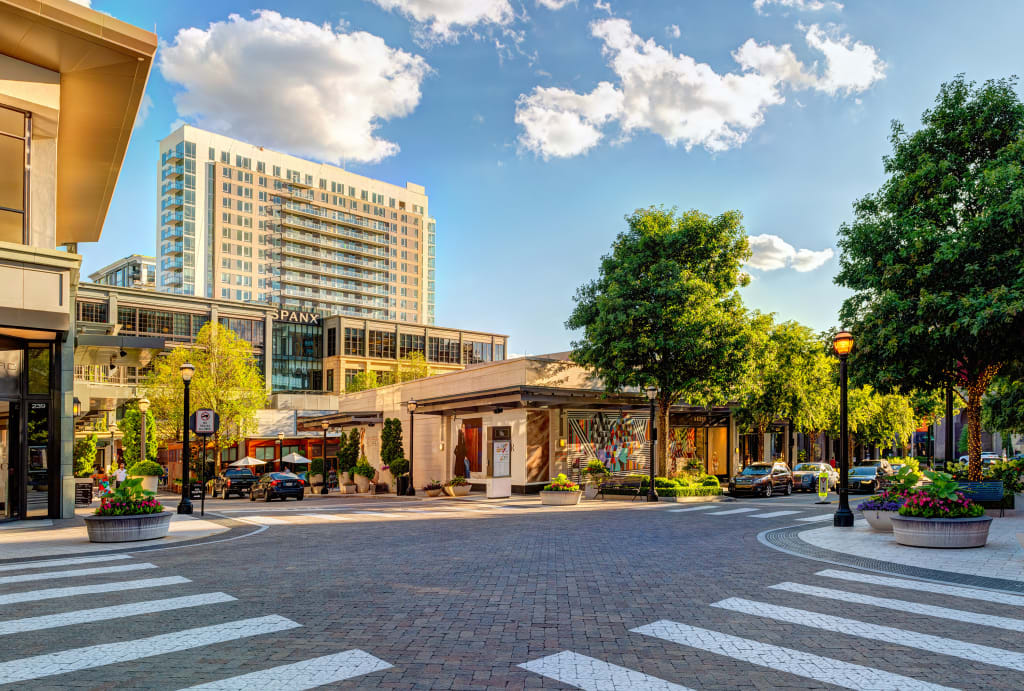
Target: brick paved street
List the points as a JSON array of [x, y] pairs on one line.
[[466, 595]]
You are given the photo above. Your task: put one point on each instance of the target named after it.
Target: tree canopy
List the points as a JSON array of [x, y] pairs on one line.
[[665, 309], [935, 258], [226, 380]]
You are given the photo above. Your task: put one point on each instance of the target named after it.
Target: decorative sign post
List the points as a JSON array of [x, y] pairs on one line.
[[203, 423], [823, 486]]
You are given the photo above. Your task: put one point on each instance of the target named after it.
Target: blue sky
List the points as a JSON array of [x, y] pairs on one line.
[[536, 125]]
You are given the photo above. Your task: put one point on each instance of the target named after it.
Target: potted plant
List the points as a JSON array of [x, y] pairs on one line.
[[937, 515], [433, 488], [561, 492], [399, 468], [149, 472], [128, 514], [458, 486], [363, 472], [879, 509], [596, 474]]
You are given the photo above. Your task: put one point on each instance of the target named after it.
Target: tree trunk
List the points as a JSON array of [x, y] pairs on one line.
[[974, 432]]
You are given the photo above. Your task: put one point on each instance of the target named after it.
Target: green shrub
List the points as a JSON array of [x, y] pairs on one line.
[[146, 468], [562, 483], [709, 481], [316, 467], [673, 491], [364, 468], [398, 467]]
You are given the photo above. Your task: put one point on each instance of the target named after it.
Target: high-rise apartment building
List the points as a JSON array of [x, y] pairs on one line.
[[240, 222]]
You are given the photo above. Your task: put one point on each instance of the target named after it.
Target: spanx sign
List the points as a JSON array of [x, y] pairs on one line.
[[297, 317]]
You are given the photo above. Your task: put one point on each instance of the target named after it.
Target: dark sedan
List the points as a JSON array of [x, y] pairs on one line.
[[866, 478], [762, 478], [277, 486]]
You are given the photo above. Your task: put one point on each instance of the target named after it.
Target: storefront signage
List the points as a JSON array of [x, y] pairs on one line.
[[293, 317], [502, 458], [83, 493]]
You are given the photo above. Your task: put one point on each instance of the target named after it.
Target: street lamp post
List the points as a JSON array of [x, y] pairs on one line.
[[843, 518], [185, 505], [652, 493], [323, 468], [143, 407], [280, 449], [113, 449], [411, 491]]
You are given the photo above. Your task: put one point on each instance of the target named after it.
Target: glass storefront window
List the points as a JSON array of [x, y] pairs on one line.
[[39, 369], [15, 129], [38, 491], [297, 363]]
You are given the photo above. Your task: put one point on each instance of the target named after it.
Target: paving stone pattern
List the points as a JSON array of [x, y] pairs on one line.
[[637, 597]]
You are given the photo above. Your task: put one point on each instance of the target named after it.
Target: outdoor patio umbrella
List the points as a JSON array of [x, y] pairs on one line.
[[248, 462], [296, 459]]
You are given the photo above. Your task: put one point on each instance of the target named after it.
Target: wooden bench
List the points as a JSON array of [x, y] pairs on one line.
[[630, 484]]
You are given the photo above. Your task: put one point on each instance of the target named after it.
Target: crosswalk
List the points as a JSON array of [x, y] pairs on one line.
[[716, 509], [576, 670], [305, 674]]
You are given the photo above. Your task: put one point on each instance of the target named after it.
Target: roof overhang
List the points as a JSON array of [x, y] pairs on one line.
[[103, 64], [315, 424]]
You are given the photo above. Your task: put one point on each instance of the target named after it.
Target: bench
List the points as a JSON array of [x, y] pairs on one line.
[[628, 484], [988, 494]]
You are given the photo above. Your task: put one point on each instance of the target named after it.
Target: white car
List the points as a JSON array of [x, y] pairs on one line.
[[805, 476], [986, 458]]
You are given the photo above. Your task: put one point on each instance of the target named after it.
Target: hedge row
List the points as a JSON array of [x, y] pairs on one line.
[[672, 491]]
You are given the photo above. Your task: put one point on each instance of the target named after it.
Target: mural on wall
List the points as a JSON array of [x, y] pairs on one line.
[[683, 451], [619, 440]]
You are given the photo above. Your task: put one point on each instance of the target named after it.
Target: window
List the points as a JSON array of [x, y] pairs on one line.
[[355, 341], [443, 350], [350, 376], [473, 352], [382, 344], [15, 140], [92, 312], [410, 343], [330, 380], [332, 345]]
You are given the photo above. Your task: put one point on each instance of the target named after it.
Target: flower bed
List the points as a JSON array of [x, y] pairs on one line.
[[561, 492], [879, 509], [938, 515], [128, 514]]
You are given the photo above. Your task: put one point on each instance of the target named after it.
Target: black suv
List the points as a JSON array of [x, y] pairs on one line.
[[869, 476], [233, 481]]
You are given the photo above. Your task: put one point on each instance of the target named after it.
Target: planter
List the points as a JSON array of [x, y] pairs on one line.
[[590, 490], [149, 482], [560, 498], [149, 526], [941, 533], [402, 485], [880, 520], [346, 479], [457, 490], [432, 492], [362, 484], [349, 489]]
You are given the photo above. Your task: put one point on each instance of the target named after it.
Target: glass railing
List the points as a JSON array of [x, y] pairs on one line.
[[173, 217], [337, 257], [337, 216], [333, 229], [334, 243], [336, 270], [334, 283], [331, 297], [176, 187]]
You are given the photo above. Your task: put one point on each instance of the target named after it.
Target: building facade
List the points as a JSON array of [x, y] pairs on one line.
[[60, 156], [133, 271], [237, 221]]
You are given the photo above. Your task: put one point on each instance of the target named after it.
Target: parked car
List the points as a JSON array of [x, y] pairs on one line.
[[762, 478], [277, 486], [867, 477], [232, 481], [987, 458], [805, 476], [883, 465]]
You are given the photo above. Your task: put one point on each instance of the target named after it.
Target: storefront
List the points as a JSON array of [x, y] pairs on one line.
[[30, 469]]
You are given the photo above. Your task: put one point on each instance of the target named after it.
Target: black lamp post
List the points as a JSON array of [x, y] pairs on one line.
[[185, 505], [652, 393], [323, 468], [843, 518], [411, 491], [280, 450], [113, 448]]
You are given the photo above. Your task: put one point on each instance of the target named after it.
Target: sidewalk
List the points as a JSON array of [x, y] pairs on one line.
[[56, 537]]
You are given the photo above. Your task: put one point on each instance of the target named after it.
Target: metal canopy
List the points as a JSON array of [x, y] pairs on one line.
[[313, 424]]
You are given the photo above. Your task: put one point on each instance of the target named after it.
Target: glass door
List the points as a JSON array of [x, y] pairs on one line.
[[10, 468], [40, 475]]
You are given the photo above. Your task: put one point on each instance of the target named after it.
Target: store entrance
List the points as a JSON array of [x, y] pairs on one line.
[[10, 467]]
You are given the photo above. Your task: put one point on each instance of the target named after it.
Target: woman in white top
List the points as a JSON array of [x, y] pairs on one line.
[[121, 474]]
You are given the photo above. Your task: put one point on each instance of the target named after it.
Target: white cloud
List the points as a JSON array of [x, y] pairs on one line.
[[603, 6], [83, 3], [770, 253], [689, 103], [799, 5], [443, 20], [145, 106], [672, 31], [554, 4], [289, 84], [561, 123]]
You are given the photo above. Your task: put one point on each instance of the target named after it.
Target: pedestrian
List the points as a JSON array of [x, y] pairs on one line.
[[121, 475]]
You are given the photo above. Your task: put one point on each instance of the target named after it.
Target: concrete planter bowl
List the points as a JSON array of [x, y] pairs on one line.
[[880, 521], [941, 533], [457, 490], [148, 526], [560, 498]]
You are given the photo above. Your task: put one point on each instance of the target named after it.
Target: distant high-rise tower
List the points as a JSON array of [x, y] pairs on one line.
[[240, 222]]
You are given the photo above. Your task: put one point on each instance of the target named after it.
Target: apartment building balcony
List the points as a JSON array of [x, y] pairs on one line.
[[176, 187], [287, 219], [334, 257], [333, 284], [331, 270], [336, 216], [172, 158], [172, 218], [327, 297], [171, 264], [171, 248], [172, 233], [296, 193], [320, 240], [172, 172], [173, 202]]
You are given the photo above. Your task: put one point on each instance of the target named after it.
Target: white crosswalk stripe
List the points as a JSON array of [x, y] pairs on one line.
[[772, 514], [70, 561], [852, 627], [380, 513], [66, 661], [83, 616], [326, 516], [822, 669], [693, 508], [309, 674], [52, 593], [75, 573], [904, 606], [731, 511], [811, 519], [265, 520], [941, 588], [591, 674]]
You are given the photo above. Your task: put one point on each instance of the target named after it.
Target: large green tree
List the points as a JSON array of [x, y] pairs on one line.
[[227, 380], [131, 434], [935, 256], [665, 310], [1003, 410]]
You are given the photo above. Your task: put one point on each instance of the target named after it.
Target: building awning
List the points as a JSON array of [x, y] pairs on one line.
[[315, 424]]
